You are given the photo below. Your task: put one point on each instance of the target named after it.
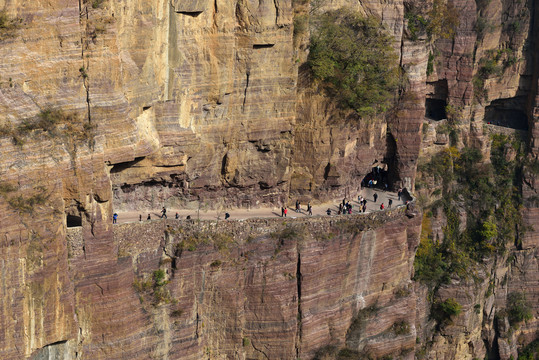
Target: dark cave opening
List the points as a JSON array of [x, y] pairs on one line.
[[262, 46], [116, 168], [73, 220], [435, 109], [509, 113]]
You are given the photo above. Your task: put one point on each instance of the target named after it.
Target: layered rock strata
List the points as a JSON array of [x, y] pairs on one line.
[[176, 102], [252, 289]]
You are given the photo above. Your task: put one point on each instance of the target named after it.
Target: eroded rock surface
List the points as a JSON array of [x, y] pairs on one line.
[[177, 102]]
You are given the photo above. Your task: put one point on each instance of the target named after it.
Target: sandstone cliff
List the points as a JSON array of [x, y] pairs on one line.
[[115, 105], [257, 289]]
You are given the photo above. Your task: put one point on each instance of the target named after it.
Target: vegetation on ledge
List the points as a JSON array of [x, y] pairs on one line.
[[53, 122], [353, 58], [8, 25], [488, 194], [440, 21]]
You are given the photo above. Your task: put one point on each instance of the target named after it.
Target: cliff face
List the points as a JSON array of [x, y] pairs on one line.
[[172, 102], [253, 289]]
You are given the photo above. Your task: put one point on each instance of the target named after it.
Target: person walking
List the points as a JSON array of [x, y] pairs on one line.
[[114, 218], [140, 217], [177, 216], [309, 209], [364, 208], [399, 193], [149, 217], [282, 211], [375, 196], [382, 206], [164, 213], [389, 203], [285, 211]]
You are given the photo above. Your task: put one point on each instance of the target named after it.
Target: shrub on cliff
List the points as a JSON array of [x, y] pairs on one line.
[[352, 56], [23, 204], [530, 352], [445, 310], [401, 328], [8, 25], [55, 123], [518, 308], [440, 21], [488, 194], [96, 4]]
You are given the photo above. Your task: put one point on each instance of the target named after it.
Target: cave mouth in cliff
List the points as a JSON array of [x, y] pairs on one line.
[[73, 220], [435, 109], [507, 113], [191, 13], [379, 175], [116, 168], [263, 46]]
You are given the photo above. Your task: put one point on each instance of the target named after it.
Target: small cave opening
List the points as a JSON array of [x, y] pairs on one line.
[[435, 109], [508, 113], [264, 185], [436, 100], [192, 13], [261, 146], [73, 212], [223, 164], [326, 171], [262, 46], [73, 220], [116, 168]]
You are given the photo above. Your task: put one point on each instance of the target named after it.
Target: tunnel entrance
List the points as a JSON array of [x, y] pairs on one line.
[[435, 109], [436, 100], [509, 113], [377, 178], [73, 220], [73, 212]]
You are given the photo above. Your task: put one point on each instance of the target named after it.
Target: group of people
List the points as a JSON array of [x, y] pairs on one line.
[[284, 209], [344, 208], [164, 216]]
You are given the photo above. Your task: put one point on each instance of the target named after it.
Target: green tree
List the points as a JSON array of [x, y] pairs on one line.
[[443, 20], [519, 308], [353, 57], [489, 231]]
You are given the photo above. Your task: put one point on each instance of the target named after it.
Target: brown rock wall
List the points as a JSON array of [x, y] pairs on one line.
[[198, 101], [36, 296], [345, 150], [340, 279], [529, 184], [258, 288]]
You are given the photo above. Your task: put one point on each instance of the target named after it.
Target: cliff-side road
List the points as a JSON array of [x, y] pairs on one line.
[[318, 209]]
